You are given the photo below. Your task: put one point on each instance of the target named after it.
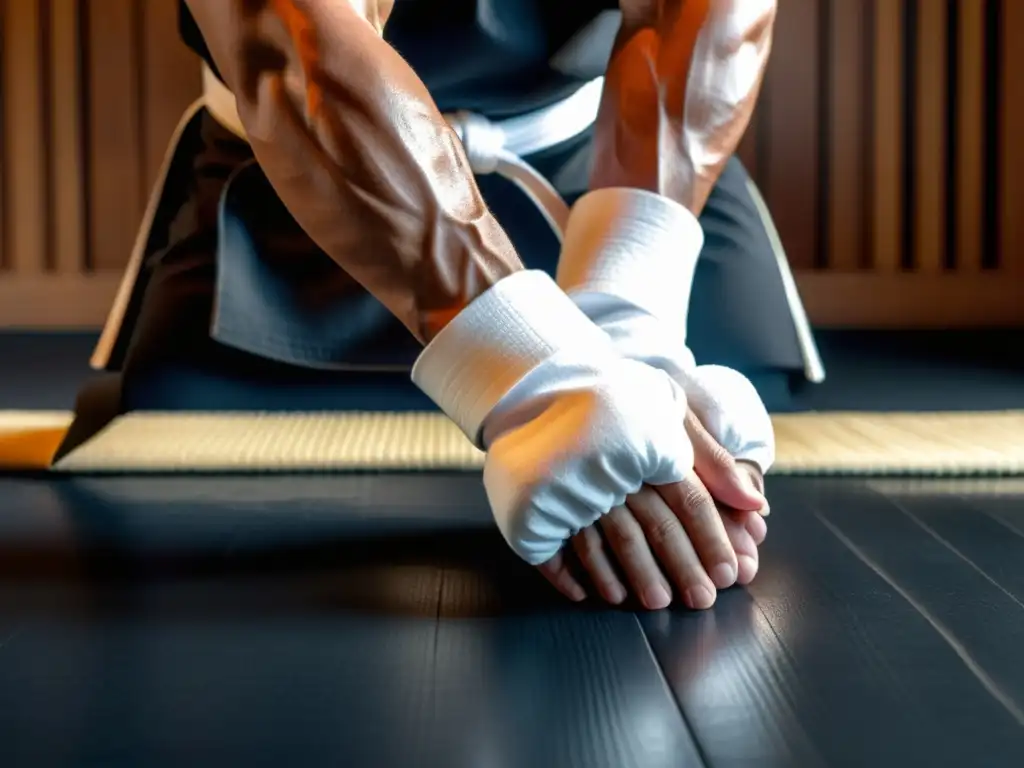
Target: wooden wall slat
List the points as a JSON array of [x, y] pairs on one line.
[[115, 137], [791, 177], [1011, 144], [887, 215], [172, 80], [24, 146], [3, 141], [970, 127], [67, 167], [930, 137], [747, 150], [848, 25]]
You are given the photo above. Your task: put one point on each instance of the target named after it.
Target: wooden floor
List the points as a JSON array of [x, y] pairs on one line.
[[379, 620]]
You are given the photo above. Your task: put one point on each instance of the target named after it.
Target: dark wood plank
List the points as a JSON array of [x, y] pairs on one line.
[[983, 542], [561, 689], [358, 621], [975, 616], [822, 640]]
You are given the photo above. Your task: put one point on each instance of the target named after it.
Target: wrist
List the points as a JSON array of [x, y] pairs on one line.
[[496, 341], [440, 298], [634, 246]]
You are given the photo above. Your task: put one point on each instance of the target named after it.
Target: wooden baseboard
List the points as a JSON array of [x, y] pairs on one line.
[[832, 300], [912, 300], [56, 302]]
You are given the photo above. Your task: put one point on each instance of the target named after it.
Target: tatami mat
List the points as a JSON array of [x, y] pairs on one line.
[[928, 444]]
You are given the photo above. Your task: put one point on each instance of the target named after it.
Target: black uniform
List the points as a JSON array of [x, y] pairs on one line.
[[237, 308]]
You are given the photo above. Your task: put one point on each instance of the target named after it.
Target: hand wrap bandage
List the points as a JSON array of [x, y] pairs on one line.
[[628, 261], [570, 427]]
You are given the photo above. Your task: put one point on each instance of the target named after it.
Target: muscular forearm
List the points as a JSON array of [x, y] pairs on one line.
[[681, 86], [356, 149]]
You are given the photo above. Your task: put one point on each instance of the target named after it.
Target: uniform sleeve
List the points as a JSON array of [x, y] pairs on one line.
[[682, 83], [356, 149]]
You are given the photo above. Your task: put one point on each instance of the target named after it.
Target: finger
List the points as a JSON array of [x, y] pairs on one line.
[[673, 548], [753, 471], [556, 571], [626, 539], [692, 504], [590, 551], [719, 470], [743, 544], [755, 525]]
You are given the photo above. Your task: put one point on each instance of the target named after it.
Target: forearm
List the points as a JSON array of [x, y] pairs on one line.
[[681, 85], [356, 149]]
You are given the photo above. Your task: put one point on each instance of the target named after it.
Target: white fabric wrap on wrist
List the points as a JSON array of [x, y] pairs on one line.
[[633, 247], [506, 333], [628, 261]]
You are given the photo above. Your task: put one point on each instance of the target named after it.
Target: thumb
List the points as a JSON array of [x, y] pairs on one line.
[[728, 481]]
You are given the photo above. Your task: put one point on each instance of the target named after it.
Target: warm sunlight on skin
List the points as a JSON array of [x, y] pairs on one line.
[[679, 92]]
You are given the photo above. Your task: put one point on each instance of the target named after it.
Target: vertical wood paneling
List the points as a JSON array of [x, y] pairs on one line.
[[970, 157], [930, 137], [91, 91], [24, 131], [3, 141], [1011, 145], [848, 70], [747, 150], [67, 166], [115, 137], [172, 81], [886, 191], [791, 175]]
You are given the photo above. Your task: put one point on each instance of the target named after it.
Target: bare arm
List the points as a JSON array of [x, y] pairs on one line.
[[682, 83], [356, 149]]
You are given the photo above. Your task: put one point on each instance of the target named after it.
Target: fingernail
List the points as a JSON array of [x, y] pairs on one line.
[[577, 593], [765, 510], [724, 575], [699, 598], [747, 569], [657, 597], [616, 595], [746, 482], [757, 528]]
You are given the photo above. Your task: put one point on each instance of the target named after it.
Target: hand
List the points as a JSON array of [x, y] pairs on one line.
[[654, 552], [669, 539], [627, 261], [570, 428]]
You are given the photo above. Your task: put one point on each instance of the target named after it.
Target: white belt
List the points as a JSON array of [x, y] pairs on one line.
[[491, 146]]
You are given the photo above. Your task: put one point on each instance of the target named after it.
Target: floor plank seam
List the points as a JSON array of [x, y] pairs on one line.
[[697, 745]]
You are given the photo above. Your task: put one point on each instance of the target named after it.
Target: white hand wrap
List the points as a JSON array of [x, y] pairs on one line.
[[570, 427], [628, 261]]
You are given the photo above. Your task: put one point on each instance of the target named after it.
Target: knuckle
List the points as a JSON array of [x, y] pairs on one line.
[[664, 530], [720, 457], [695, 501]]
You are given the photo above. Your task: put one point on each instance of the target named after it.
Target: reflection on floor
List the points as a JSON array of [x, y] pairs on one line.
[[379, 620]]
